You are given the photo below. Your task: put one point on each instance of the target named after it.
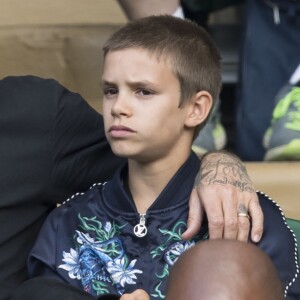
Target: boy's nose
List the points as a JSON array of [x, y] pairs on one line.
[[121, 106]]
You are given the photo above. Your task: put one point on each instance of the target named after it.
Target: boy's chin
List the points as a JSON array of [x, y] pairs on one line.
[[125, 149], [121, 152], [132, 156]]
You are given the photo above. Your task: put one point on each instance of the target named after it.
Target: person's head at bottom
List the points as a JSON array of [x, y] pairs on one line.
[[224, 270]]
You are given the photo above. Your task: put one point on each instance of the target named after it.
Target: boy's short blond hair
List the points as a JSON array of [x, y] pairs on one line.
[[183, 44]]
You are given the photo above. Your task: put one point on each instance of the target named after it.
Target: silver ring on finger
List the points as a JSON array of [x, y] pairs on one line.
[[243, 215]]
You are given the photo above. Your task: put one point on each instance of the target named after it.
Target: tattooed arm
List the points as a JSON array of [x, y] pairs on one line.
[[224, 188]]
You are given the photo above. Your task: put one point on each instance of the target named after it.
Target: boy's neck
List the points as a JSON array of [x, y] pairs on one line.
[[147, 180]]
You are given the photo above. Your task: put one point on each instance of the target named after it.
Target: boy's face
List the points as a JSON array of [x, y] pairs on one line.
[[140, 105]]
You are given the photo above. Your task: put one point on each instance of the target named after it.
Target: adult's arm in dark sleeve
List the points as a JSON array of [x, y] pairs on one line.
[[81, 154]]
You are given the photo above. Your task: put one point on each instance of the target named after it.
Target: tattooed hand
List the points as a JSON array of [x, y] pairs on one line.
[[223, 189]]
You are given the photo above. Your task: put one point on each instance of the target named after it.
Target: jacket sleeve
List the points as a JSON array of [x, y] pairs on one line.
[[42, 257], [280, 244]]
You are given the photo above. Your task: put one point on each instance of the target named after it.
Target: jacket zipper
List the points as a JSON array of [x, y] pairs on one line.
[[140, 229]]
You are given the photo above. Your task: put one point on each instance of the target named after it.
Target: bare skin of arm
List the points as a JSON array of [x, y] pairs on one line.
[[143, 8], [224, 188]]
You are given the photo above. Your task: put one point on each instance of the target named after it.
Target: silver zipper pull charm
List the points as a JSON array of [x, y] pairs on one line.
[[276, 14], [140, 230]]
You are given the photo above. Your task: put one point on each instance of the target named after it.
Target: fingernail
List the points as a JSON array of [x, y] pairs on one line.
[[256, 238]]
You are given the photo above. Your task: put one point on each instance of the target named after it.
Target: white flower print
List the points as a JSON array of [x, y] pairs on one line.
[[84, 238], [175, 250], [119, 273], [179, 248], [107, 226], [71, 264]]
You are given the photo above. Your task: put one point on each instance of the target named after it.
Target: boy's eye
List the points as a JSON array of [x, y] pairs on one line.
[[143, 92], [110, 91]]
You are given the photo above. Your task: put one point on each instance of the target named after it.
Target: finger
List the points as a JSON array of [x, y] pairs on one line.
[[244, 228], [138, 294], [195, 216], [231, 225], [142, 295], [257, 217], [214, 213]]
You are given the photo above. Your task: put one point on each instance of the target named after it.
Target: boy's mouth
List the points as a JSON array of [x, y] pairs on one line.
[[120, 131]]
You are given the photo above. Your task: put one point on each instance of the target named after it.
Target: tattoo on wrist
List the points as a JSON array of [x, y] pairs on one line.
[[223, 168]]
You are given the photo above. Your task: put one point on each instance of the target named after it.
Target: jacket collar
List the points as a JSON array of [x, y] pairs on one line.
[[177, 190]]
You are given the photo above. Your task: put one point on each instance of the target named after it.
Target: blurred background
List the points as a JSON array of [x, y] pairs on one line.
[[59, 39]]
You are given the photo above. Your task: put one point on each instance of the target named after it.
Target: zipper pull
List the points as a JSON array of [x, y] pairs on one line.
[[140, 230], [276, 14]]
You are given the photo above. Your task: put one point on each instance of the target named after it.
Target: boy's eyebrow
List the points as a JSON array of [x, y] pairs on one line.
[[130, 83], [141, 83], [106, 83]]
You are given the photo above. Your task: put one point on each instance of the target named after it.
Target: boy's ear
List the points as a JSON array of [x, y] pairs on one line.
[[199, 108]]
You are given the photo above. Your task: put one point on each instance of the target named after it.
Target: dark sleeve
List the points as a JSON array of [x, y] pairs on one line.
[[81, 154], [52, 142], [49, 289], [42, 257], [280, 244]]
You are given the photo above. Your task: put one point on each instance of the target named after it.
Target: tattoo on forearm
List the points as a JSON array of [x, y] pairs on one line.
[[220, 168]]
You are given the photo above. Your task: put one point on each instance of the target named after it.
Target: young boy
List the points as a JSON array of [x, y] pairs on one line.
[[161, 77]]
